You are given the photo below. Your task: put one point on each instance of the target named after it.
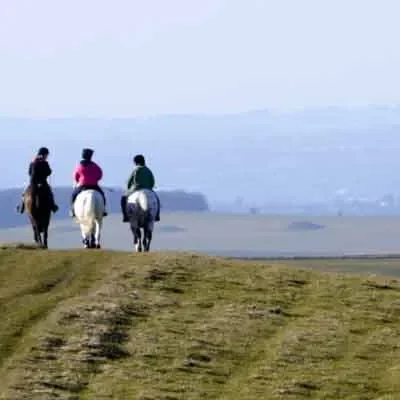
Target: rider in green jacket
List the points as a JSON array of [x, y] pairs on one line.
[[141, 178]]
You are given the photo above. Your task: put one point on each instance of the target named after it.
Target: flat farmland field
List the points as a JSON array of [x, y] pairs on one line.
[[242, 235]]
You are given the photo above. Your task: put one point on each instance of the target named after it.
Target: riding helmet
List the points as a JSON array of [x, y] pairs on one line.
[[43, 151], [139, 160], [87, 154]]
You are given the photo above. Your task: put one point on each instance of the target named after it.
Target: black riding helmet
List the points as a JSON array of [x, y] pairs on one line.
[[87, 154], [43, 152], [139, 160]]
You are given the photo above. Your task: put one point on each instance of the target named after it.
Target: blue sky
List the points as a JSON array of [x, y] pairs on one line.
[[146, 57]]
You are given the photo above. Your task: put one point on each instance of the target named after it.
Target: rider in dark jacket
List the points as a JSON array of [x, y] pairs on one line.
[[39, 170]]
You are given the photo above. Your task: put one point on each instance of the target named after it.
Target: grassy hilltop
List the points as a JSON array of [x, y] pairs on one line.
[[108, 325]]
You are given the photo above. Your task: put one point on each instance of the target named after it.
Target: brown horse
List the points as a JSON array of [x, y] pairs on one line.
[[38, 208]]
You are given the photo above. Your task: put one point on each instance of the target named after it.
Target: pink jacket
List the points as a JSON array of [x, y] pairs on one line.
[[89, 174]]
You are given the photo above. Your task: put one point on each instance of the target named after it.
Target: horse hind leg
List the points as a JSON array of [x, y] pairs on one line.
[[138, 241], [36, 235], [97, 236], [41, 241], [45, 232], [85, 240], [92, 242], [149, 239], [148, 232], [36, 239], [95, 242], [45, 239]]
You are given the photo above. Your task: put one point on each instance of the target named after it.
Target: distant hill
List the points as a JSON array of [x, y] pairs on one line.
[[303, 156], [170, 201]]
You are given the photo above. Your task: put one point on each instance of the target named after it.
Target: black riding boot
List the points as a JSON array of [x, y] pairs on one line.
[[54, 206], [124, 200], [74, 195], [21, 206], [105, 213]]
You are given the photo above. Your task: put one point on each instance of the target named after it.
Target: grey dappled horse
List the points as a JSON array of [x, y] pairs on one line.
[[142, 209]]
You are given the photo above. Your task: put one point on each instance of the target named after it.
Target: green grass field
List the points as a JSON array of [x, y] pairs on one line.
[[109, 325]]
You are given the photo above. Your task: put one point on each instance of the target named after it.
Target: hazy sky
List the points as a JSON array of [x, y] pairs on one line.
[[141, 57]]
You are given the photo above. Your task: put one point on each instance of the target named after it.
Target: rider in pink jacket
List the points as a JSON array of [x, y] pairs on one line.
[[87, 176]]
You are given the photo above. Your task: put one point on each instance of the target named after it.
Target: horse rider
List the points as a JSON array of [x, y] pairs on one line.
[[39, 170], [87, 175], [141, 178]]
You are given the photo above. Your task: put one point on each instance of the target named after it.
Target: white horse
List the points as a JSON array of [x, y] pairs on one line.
[[89, 212], [142, 209]]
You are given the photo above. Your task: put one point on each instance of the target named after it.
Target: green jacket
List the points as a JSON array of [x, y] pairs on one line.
[[141, 178]]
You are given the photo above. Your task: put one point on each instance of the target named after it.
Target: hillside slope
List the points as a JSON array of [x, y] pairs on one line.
[[108, 325]]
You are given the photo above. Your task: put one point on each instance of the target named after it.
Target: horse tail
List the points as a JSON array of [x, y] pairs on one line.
[[148, 204], [87, 215], [143, 201]]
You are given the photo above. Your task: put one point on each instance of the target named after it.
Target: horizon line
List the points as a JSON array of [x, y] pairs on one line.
[[269, 110]]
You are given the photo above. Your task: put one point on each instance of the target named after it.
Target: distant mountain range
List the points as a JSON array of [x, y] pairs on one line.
[[170, 201], [262, 156]]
